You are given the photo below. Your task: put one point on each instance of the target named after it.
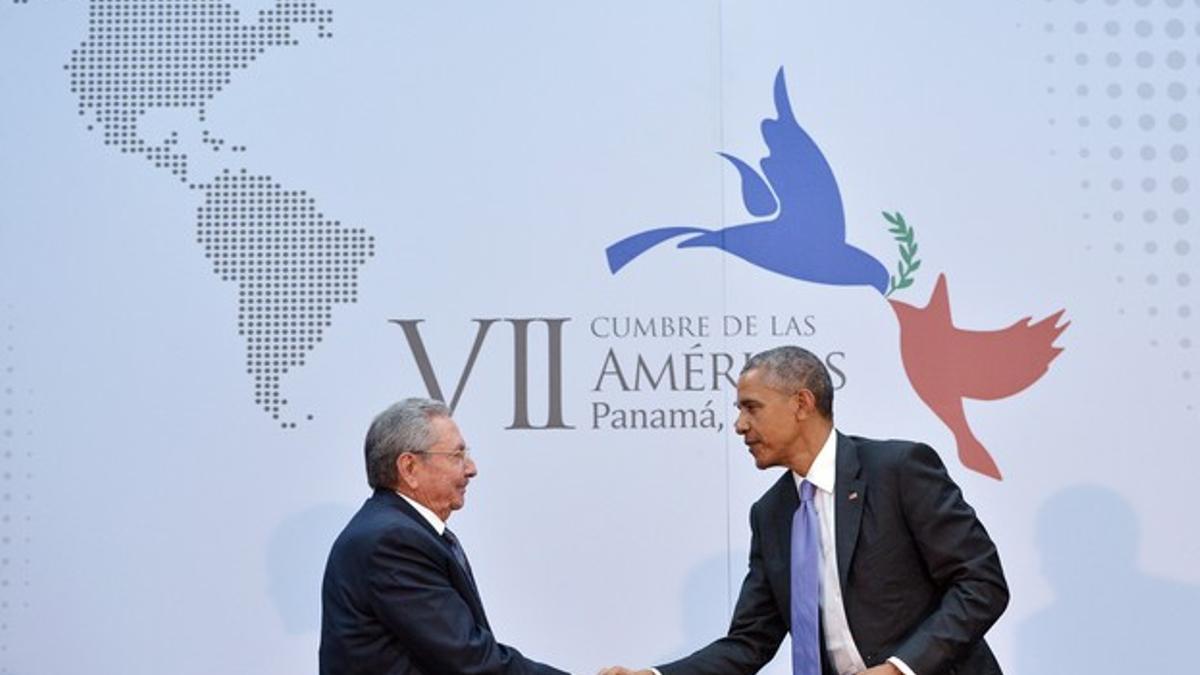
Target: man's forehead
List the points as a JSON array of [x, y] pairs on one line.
[[757, 395], [754, 386], [753, 380], [446, 431]]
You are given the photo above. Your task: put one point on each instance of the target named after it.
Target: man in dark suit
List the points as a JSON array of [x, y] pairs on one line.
[[399, 597], [864, 550]]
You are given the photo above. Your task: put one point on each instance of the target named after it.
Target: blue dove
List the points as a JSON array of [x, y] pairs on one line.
[[806, 237]]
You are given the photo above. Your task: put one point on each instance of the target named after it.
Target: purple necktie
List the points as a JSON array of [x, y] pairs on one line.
[[806, 585]]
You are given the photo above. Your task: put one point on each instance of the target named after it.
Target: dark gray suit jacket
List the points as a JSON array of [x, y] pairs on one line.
[[921, 579], [396, 602]]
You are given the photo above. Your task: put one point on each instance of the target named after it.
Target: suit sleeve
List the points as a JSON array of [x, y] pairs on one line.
[[755, 631], [414, 598], [959, 556]]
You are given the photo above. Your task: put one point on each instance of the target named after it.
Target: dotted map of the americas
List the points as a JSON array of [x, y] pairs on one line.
[[291, 263]]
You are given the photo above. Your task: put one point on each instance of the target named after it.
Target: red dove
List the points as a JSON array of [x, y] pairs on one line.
[[946, 364]]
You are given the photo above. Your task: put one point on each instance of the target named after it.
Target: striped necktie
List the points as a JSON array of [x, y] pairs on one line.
[[459, 554]]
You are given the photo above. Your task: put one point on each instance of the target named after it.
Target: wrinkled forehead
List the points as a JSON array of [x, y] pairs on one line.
[[446, 435], [759, 378], [756, 385]]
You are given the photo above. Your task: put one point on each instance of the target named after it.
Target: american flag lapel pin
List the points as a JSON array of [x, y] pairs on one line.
[[853, 496]]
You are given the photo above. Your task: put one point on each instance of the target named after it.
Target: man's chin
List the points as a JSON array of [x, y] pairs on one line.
[[758, 461], [761, 462]]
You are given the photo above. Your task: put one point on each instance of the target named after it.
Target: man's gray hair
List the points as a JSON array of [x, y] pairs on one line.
[[790, 369], [403, 427]]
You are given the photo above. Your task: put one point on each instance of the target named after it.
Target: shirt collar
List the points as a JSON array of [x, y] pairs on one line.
[[432, 517], [824, 467]]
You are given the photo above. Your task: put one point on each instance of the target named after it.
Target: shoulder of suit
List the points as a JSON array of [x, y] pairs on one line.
[[874, 450], [779, 490], [884, 460], [385, 517]]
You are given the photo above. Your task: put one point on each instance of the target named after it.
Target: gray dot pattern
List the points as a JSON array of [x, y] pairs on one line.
[[290, 262], [291, 265], [1132, 82], [140, 55], [15, 482]]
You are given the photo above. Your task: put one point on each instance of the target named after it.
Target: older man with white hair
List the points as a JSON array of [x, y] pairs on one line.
[[399, 596]]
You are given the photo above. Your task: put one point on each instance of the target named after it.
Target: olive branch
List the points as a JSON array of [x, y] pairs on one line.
[[908, 263]]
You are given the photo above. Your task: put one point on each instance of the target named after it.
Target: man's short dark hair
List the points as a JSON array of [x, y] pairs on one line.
[[403, 427], [790, 369]]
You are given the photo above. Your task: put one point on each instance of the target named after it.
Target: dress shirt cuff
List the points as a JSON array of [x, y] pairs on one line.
[[655, 671], [895, 661]]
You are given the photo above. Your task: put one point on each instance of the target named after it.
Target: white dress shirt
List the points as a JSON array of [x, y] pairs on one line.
[[428, 515], [839, 642]]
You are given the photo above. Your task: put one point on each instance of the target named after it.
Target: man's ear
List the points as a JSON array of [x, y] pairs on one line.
[[406, 469], [807, 404]]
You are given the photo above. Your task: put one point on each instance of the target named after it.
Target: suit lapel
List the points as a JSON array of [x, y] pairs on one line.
[[778, 523], [849, 493], [462, 578]]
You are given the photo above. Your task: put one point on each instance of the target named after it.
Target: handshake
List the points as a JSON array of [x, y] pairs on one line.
[[883, 669], [901, 528]]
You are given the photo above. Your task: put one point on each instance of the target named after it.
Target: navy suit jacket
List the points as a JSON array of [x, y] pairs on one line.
[[396, 602], [920, 578]]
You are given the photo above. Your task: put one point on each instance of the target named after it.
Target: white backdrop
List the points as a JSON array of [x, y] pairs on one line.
[[473, 161]]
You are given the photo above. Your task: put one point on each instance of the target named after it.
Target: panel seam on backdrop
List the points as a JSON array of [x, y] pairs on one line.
[[724, 303]]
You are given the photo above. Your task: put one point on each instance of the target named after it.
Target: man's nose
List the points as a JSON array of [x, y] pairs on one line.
[[472, 470], [741, 426]]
